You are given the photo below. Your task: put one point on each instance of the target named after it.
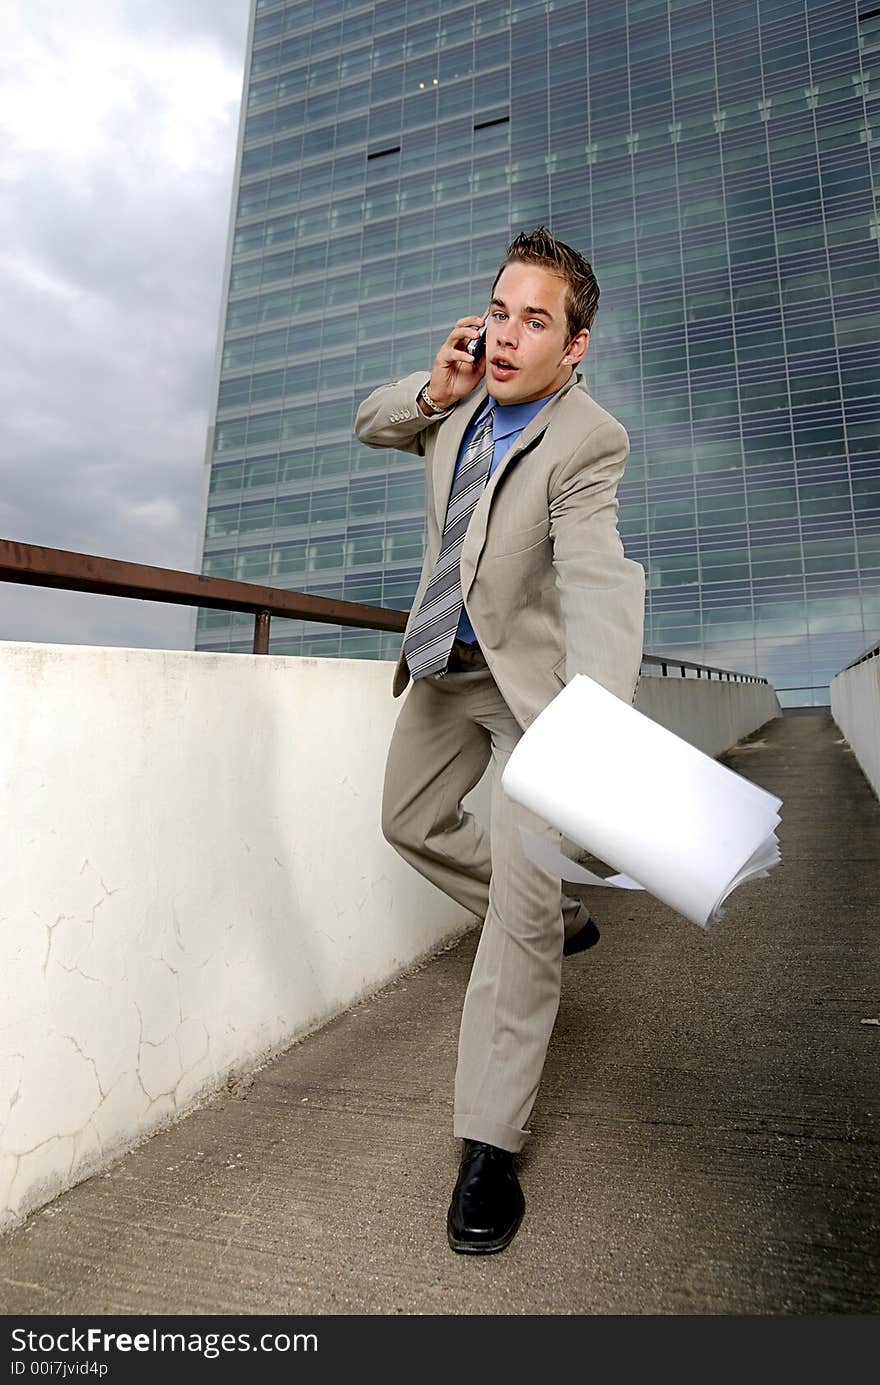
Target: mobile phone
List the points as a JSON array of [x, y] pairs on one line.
[[477, 345]]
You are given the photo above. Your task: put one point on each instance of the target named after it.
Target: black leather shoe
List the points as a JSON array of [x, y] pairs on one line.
[[487, 1202], [585, 937]]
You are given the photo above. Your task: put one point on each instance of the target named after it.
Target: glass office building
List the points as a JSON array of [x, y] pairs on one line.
[[715, 160]]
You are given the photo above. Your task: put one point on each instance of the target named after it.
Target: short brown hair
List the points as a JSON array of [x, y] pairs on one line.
[[541, 247]]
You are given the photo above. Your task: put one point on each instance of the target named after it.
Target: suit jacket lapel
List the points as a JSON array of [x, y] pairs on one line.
[[448, 444], [530, 435], [476, 534]]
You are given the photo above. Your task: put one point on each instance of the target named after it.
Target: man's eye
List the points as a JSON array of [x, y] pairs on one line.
[[499, 317], [536, 324]]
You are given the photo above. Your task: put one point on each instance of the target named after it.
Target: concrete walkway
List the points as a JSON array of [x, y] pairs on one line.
[[705, 1142]]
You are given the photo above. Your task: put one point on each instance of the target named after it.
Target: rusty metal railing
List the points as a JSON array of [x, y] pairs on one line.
[[84, 572], [665, 662], [872, 653], [34, 566]]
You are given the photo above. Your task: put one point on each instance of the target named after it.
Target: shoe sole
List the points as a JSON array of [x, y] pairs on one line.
[[587, 937], [484, 1247]]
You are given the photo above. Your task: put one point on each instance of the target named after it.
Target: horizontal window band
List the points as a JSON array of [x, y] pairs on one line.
[[381, 153]]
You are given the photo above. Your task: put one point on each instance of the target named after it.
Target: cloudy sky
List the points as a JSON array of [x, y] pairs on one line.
[[118, 124]]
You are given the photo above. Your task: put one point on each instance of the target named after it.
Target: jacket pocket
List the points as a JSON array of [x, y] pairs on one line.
[[516, 540]]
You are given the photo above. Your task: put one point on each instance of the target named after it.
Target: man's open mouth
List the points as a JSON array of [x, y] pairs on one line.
[[501, 364]]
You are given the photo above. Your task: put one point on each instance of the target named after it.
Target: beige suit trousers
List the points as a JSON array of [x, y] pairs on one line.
[[449, 730]]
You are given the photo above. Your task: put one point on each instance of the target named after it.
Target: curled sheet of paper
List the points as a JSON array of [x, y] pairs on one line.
[[543, 854], [635, 795]]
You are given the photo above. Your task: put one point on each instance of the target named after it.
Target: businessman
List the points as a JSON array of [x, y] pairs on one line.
[[524, 584]]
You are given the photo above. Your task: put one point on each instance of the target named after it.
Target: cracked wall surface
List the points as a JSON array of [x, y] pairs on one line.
[[194, 876]]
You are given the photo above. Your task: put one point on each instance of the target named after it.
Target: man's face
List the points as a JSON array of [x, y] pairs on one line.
[[527, 337]]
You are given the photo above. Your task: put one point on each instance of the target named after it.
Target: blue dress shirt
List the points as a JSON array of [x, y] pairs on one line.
[[508, 422]]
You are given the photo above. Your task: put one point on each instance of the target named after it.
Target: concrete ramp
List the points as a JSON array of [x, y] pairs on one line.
[[705, 1142]]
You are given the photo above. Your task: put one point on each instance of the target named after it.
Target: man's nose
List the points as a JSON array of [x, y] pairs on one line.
[[507, 334]]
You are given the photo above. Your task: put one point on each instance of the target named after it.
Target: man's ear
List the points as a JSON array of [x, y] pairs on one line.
[[577, 346]]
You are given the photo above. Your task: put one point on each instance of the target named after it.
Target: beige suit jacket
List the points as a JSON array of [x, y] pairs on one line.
[[545, 582]]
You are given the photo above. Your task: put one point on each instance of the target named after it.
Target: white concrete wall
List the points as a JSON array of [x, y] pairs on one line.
[[711, 715], [193, 876], [855, 706]]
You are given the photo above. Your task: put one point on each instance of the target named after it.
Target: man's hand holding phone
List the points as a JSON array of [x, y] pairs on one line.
[[459, 366]]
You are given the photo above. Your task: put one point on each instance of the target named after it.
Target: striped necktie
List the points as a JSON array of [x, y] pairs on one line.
[[432, 632]]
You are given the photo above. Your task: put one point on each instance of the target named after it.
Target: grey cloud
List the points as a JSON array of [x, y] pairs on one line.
[[225, 19], [111, 282]]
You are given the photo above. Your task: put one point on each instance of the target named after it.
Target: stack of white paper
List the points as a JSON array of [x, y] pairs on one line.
[[637, 796]]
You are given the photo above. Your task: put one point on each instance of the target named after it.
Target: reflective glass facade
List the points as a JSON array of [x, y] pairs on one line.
[[717, 162]]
